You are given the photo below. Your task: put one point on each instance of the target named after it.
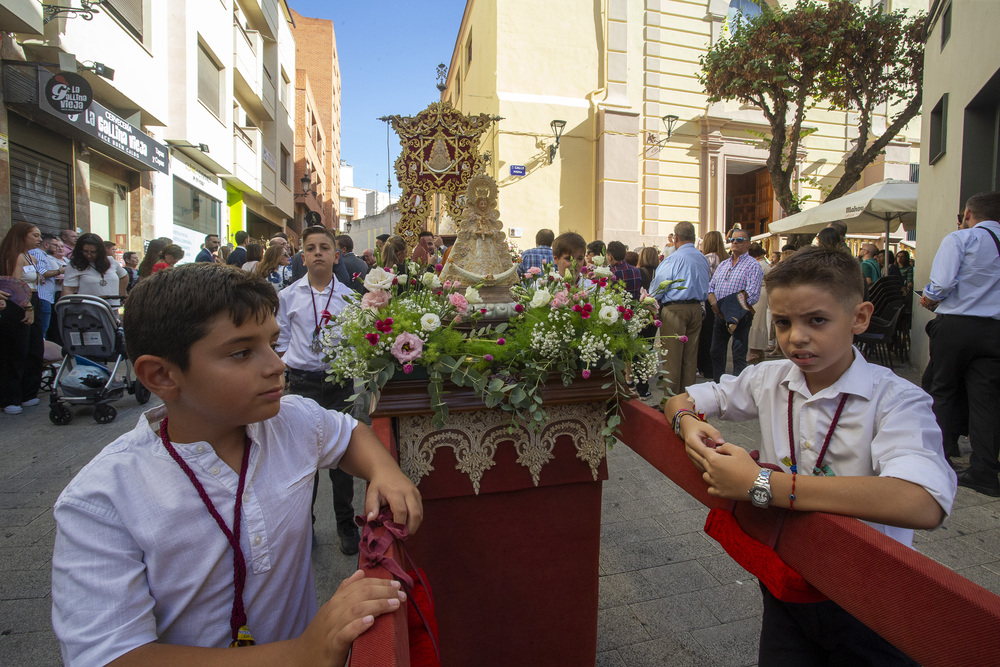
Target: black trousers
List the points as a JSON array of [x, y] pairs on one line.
[[965, 354], [331, 397], [705, 343], [820, 633], [21, 350], [720, 345]]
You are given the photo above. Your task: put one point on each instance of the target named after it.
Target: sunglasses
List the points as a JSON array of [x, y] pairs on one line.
[[740, 239]]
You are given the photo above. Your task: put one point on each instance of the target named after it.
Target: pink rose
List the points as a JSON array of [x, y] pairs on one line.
[[518, 308], [407, 368], [657, 323], [487, 357], [560, 299], [534, 271], [586, 373], [461, 305], [407, 347], [438, 267], [682, 339], [375, 299], [501, 341]]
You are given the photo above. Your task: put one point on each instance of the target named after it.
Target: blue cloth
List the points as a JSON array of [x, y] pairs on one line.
[[205, 256], [687, 264], [537, 257], [965, 276]]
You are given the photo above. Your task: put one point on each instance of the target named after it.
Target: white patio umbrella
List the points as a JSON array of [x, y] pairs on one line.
[[869, 210]]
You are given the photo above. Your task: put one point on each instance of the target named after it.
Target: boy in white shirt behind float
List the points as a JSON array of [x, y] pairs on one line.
[[850, 438], [191, 533]]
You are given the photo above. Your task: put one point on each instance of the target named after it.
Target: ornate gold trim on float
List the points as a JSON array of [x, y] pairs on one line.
[[475, 436], [440, 154]]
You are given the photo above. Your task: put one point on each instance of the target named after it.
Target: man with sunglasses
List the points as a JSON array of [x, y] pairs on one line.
[[740, 272]]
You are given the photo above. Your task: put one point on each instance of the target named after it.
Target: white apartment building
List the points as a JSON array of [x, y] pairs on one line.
[[92, 170], [189, 131], [357, 203], [229, 76]]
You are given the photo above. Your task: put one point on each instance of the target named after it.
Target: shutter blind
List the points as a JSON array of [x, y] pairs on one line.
[[128, 12], [39, 190]]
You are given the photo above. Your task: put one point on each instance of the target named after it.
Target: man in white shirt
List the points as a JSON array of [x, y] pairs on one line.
[[304, 309], [964, 291]]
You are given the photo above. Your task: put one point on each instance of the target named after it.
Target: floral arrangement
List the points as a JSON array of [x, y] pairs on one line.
[[563, 328]]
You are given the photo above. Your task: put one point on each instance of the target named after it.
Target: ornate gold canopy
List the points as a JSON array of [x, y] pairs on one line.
[[440, 154]]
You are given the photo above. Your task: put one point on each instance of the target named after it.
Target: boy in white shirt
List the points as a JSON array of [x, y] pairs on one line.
[[305, 308], [192, 531], [884, 463]]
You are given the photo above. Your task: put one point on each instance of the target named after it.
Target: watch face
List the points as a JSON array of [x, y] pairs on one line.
[[760, 496]]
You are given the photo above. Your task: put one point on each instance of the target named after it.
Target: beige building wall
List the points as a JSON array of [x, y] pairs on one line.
[[612, 70], [966, 69]]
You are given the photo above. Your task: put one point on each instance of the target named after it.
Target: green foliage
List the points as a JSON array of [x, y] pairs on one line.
[[785, 61]]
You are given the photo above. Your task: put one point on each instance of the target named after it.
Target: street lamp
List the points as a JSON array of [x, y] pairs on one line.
[[668, 122], [557, 129]]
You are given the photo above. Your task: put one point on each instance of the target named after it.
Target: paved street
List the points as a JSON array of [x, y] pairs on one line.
[[668, 594]]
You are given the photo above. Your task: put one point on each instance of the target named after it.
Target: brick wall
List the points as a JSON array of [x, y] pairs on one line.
[[316, 54]]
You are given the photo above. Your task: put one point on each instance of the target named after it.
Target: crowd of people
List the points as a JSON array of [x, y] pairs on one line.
[[712, 294]]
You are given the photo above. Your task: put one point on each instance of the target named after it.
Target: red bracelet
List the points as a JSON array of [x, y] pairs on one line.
[[791, 496]]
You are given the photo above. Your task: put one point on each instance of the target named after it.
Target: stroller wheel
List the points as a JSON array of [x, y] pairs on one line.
[[141, 393], [104, 414], [60, 415]]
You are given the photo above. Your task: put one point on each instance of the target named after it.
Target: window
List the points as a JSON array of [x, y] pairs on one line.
[[284, 88], [468, 52], [209, 81], [128, 13], [939, 130], [286, 166], [945, 26], [743, 9], [195, 210]]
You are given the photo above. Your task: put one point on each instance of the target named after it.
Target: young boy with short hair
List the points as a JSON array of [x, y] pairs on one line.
[[884, 463], [304, 308], [569, 252], [192, 531]]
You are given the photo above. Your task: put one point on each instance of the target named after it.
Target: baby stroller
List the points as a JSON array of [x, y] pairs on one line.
[[91, 338]]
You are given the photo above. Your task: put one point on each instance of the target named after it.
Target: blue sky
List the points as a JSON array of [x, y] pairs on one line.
[[389, 51]]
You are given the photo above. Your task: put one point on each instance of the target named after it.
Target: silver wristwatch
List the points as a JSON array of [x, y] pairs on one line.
[[760, 494]]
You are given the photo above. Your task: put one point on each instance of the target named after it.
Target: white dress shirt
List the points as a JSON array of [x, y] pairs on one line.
[[299, 308], [138, 558], [887, 427], [965, 276]]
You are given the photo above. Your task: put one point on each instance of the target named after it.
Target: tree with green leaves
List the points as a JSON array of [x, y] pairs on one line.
[[786, 61]]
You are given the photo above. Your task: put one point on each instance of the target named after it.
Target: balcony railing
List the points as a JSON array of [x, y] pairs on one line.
[[247, 161], [248, 51]]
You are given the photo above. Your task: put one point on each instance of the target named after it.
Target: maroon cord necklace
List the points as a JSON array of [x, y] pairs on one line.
[[238, 619], [320, 318], [819, 468]]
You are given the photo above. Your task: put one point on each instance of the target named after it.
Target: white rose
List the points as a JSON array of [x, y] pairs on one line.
[[598, 260], [430, 322], [472, 296], [540, 298], [430, 280], [402, 278], [608, 314], [603, 272], [378, 278]]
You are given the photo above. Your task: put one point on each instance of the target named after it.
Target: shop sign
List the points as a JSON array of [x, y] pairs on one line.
[[68, 93], [517, 170], [111, 129]]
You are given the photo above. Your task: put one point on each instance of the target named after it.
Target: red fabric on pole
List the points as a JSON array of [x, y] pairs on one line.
[[933, 614]]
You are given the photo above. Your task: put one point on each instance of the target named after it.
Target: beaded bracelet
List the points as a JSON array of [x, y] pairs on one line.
[[677, 419], [791, 496]]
